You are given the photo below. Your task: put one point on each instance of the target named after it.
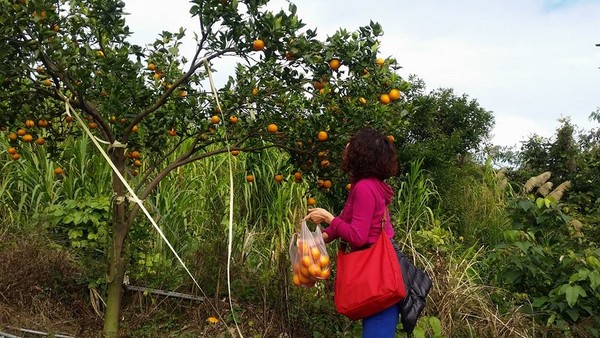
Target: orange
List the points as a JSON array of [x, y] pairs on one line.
[[157, 76], [183, 93], [135, 172], [135, 129], [311, 201], [69, 119], [254, 91], [390, 138], [40, 69], [384, 98], [320, 183], [324, 261], [325, 163], [21, 132], [327, 184], [304, 278], [250, 178], [296, 279], [134, 154], [348, 186], [55, 28], [306, 261], [380, 61], [58, 171], [29, 123], [322, 136], [315, 253], [15, 157], [172, 132], [258, 45], [151, 66], [272, 128], [12, 136], [100, 53], [278, 178], [325, 273], [233, 119], [319, 85], [27, 138], [235, 152], [47, 82], [298, 176], [314, 270], [42, 123], [92, 125], [215, 119], [40, 141], [394, 94], [137, 163], [362, 100], [12, 150], [303, 248], [334, 64]]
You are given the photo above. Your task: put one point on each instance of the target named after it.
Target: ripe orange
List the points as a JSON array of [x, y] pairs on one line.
[[233, 119], [380, 61], [327, 184], [311, 201], [151, 66], [303, 247], [135, 129], [250, 178], [215, 119], [320, 183], [278, 178], [137, 163], [235, 152], [325, 273], [15, 156], [348, 186], [12, 150], [334, 64], [21, 132], [183, 93], [92, 125], [40, 141], [254, 91], [58, 171], [314, 270], [47, 82], [362, 100], [322, 136], [304, 277], [12, 136], [100, 54], [306, 261], [135, 172], [172, 132], [384, 98], [315, 253], [394, 94], [157, 76], [390, 138], [325, 163], [296, 279], [324, 261], [258, 45], [27, 138], [298, 176], [55, 28], [134, 154], [272, 128], [29, 123], [40, 69], [42, 123]]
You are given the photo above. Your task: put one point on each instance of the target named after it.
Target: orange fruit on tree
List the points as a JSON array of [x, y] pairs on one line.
[[42, 123], [362, 100], [47, 82], [272, 128], [135, 129], [135, 172], [233, 119], [12, 150], [311, 201], [320, 183], [319, 85], [380, 61], [298, 176], [249, 178], [134, 154], [92, 125], [58, 171], [183, 93], [172, 132], [278, 178], [27, 138], [137, 163], [390, 138], [151, 66], [394, 94], [15, 157], [235, 152], [334, 64], [348, 186], [325, 163], [55, 28], [40, 141], [254, 91], [322, 136], [384, 98], [215, 119], [327, 184], [258, 45], [29, 123], [21, 132], [12, 136], [40, 69]]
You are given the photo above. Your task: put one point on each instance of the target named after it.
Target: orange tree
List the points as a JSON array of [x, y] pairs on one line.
[[156, 110]]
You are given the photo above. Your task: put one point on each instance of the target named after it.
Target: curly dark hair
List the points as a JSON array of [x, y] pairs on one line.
[[369, 154]]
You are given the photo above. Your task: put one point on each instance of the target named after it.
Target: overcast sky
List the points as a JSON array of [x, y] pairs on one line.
[[530, 62]]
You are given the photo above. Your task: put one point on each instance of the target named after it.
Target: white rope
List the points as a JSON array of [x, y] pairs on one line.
[[133, 197], [230, 237]]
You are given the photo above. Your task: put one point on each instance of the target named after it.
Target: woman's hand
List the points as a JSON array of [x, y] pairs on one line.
[[318, 216]]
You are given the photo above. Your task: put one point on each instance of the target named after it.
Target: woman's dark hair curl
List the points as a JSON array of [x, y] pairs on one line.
[[370, 154]]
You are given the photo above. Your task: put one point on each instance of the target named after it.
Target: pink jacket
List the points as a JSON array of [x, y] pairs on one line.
[[359, 223]]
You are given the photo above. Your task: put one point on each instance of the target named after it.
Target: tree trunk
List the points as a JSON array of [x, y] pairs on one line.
[[116, 261]]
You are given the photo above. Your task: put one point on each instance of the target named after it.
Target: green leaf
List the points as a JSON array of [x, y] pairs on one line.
[[436, 326], [594, 277], [539, 202], [572, 293]]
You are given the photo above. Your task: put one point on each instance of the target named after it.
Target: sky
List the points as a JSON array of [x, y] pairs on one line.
[[529, 62]]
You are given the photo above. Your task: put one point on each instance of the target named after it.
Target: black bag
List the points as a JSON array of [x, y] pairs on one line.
[[417, 284]]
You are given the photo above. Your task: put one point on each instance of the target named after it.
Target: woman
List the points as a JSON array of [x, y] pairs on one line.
[[369, 158]]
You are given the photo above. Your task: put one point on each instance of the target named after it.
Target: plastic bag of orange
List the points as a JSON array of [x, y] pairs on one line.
[[309, 257]]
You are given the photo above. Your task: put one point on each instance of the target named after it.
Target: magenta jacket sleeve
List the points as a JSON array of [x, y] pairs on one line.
[[354, 228]]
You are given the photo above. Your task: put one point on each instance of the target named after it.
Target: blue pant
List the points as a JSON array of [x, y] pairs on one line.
[[382, 324]]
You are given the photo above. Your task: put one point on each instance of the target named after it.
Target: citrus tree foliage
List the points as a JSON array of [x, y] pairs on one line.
[[154, 106]]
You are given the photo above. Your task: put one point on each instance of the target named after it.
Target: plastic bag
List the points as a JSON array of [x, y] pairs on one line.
[[309, 257]]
